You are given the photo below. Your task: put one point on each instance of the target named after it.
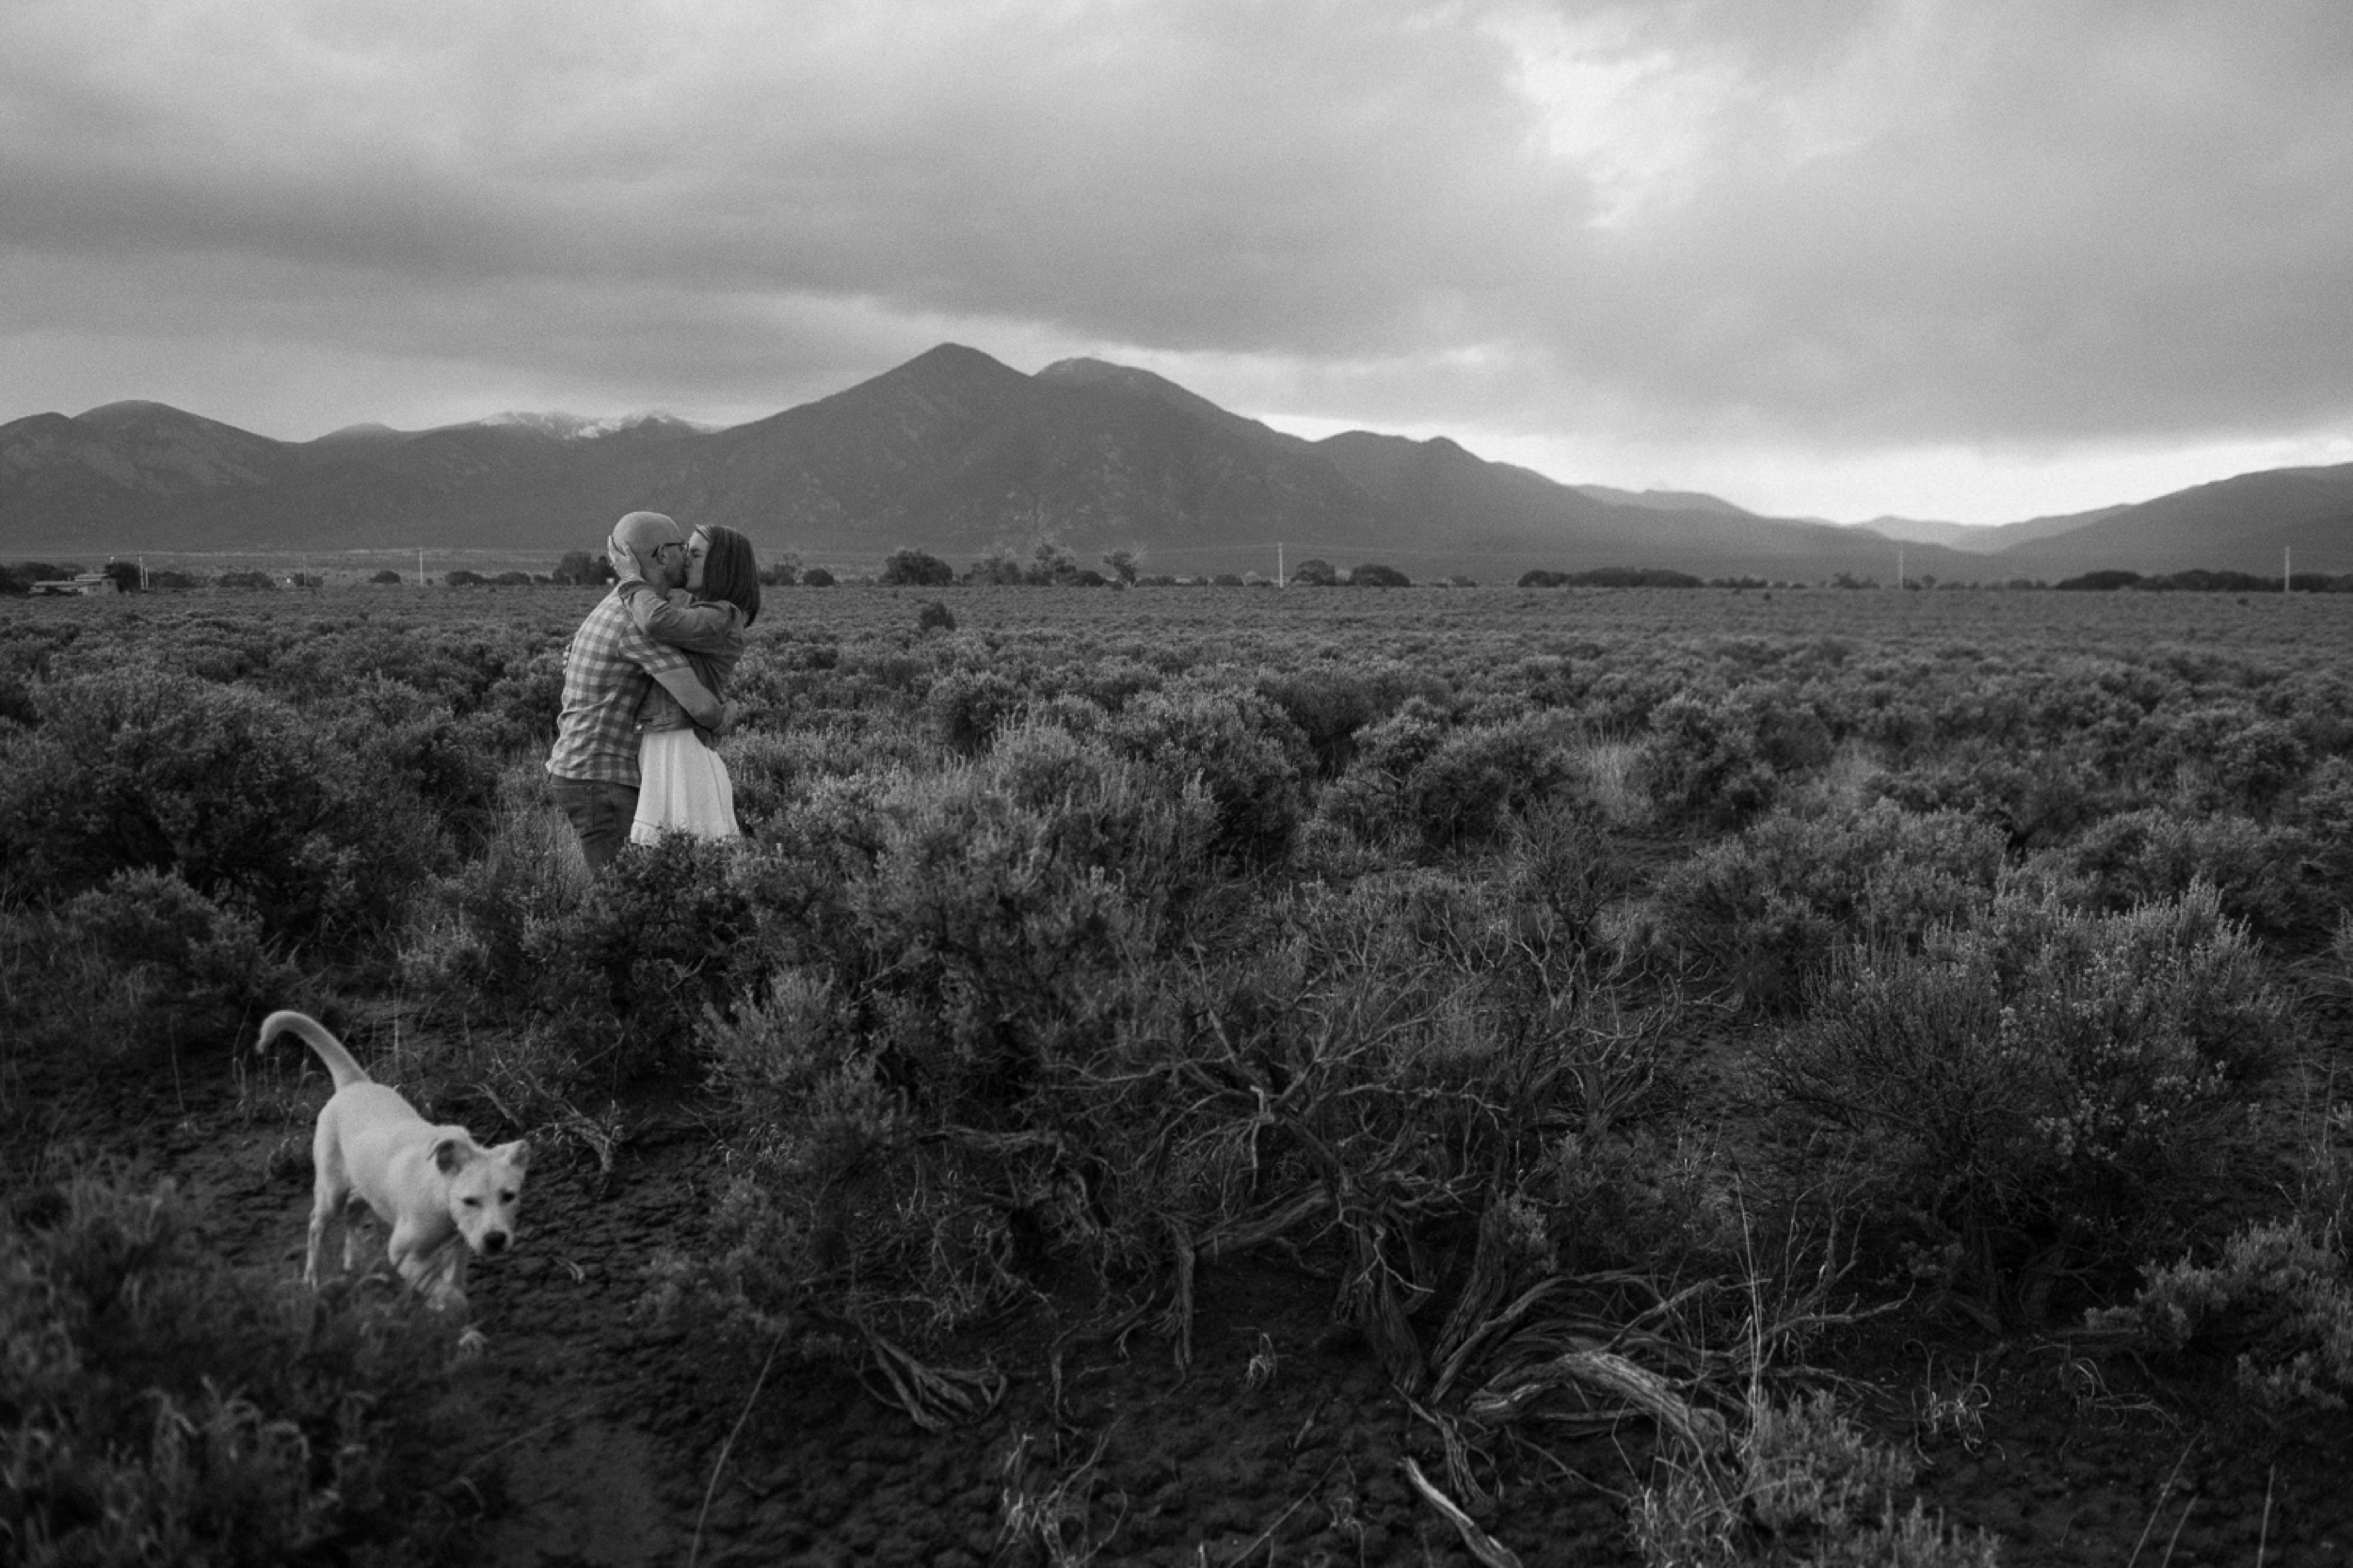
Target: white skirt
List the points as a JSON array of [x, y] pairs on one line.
[[682, 786]]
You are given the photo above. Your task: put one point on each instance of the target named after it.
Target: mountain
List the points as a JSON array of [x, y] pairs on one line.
[[1665, 500], [958, 454], [2239, 525], [1980, 539], [1507, 514]]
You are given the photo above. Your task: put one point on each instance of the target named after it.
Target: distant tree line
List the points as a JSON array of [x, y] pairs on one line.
[[1052, 565], [1611, 577], [2203, 581]]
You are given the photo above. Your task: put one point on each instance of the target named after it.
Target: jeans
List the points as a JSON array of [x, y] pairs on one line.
[[600, 813]]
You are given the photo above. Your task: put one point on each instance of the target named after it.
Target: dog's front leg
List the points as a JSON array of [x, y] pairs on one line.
[[442, 1280], [437, 1274]]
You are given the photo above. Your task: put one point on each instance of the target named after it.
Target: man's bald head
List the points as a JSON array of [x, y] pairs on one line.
[[646, 531], [657, 543]]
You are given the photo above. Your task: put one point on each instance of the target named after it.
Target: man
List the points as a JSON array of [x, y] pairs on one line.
[[607, 672]]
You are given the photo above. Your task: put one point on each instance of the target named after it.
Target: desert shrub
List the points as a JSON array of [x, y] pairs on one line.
[[177, 964], [1445, 788], [1640, 1197], [622, 965], [2236, 765], [1719, 763], [1010, 896], [668, 926], [766, 767], [2036, 799], [922, 991], [253, 806], [1246, 755], [967, 706], [491, 935], [1031, 1061], [1769, 910], [1468, 790], [2323, 807], [1393, 1061], [2265, 874], [1562, 863], [1803, 1483], [1329, 705], [403, 739], [1373, 797], [516, 708], [2040, 1086], [260, 580], [818, 577], [1109, 684], [2278, 1296], [933, 616], [159, 1406]]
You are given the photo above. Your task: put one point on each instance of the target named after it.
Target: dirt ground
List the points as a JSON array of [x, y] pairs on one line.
[[614, 1441]]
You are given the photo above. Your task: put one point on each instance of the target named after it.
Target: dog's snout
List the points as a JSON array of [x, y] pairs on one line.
[[494, 1242]]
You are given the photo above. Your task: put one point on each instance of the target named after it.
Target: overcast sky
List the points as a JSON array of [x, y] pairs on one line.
[[1964, 259]]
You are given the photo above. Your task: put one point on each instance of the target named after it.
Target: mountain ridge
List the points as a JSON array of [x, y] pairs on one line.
[[956, 453]]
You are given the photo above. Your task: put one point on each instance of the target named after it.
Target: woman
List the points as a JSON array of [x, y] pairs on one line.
[[682, 783]]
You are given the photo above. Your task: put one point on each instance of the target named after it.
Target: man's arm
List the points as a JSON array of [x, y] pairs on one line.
[[693, 696], [696, 627], [669, 666]]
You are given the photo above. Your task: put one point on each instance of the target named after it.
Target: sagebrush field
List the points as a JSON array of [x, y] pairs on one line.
[[1204, 1075]]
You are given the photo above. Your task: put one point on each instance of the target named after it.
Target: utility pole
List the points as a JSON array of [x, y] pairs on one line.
[[1900, 567], [1280, 580], [2287, 570], [420, 569]]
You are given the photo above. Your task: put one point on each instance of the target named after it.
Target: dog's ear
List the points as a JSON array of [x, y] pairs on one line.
[[516, 1154], [451, 1155]]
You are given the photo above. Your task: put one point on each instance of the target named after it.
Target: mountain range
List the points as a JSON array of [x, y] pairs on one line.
[[958, 454]]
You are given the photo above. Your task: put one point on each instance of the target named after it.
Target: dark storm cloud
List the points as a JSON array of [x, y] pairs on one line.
[[1841, 225]]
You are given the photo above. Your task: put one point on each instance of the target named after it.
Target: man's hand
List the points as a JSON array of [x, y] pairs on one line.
[[728, 714], [624, 560]]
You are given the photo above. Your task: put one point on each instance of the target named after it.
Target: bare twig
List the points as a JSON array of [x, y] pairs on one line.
[[2174, 1539], [695, 1547], [2263, 1536], [2158, 1506], [1268, 1534]]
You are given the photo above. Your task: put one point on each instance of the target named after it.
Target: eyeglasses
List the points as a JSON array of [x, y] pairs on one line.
[[659, 549]]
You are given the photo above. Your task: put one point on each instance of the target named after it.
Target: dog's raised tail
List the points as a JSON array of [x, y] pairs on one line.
[[330, 1051]]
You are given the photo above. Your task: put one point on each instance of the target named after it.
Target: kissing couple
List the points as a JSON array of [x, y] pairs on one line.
[[645, 682]]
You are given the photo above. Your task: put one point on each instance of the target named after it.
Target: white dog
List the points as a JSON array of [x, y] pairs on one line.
[[439, 1193]]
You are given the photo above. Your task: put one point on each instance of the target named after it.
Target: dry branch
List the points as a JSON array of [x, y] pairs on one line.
[[934, 1399], [1485, 1547], [1640, 1392]]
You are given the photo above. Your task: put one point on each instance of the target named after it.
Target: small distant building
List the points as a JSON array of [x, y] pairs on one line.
[[87, 583]]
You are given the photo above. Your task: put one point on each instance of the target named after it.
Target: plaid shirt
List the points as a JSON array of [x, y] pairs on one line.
[[607, 672]]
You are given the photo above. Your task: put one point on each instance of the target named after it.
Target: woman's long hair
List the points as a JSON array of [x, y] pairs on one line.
[[729, 573]]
